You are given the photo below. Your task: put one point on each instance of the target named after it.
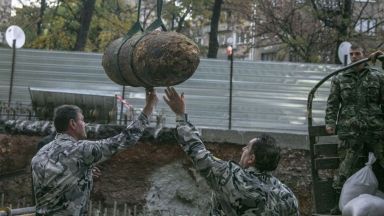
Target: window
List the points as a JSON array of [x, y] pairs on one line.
[[268, 56], [222, 39], [367, 26], [241, 38], [328, 4], [199, 40]]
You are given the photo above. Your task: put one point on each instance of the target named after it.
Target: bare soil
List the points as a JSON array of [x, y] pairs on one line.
[[125, 178]]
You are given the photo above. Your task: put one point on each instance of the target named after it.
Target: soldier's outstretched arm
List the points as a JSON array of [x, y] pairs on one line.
[[189, 138], [97, 151]]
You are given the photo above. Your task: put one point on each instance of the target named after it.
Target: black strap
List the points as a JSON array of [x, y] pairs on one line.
[[133, 71], [158, 22], [135, 29]]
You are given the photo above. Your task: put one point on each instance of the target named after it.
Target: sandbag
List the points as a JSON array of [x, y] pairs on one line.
[[364, 205], [380, 194], [363, 181]]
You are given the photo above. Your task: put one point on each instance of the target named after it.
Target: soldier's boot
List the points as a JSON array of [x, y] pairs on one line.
[[337, 188]]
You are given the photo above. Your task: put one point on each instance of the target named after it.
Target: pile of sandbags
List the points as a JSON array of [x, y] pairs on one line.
[[360, 195], [365, 204]]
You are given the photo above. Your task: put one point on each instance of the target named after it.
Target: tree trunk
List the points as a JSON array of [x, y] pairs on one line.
[[343, 29], [43, 5], [213, 42], [85, 23]]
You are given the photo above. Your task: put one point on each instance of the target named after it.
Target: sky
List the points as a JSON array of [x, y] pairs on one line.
[[16, 3]]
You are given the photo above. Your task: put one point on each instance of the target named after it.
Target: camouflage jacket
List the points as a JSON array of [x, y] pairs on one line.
[[236, 191], [61, 170], [355, 102]]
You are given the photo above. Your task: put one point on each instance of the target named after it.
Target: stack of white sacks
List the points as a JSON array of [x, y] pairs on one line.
[[360, 195]]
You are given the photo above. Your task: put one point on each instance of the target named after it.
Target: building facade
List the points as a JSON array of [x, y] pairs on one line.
[[251, 44]]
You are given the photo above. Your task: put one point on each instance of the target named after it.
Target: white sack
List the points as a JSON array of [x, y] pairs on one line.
[[380, 194], [363, 181], [364, 205]]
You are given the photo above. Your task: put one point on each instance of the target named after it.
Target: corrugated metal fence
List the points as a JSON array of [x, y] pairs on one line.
[[267, 96]]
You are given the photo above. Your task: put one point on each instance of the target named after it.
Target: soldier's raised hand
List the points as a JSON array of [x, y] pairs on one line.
[[373, 56], [151, 101], [174, 100]]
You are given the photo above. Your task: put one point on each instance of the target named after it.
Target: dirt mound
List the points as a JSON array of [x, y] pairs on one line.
[[128, 177]]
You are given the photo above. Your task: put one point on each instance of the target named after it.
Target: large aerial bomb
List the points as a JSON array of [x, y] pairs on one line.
[[151, 59]]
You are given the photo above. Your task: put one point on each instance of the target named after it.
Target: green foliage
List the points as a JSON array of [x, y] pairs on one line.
[[184, 15], [111, 19], [61, 23], [304, 28], [110, 22]]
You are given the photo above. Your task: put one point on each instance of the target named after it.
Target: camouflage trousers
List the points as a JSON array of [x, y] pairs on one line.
[[349, 152]]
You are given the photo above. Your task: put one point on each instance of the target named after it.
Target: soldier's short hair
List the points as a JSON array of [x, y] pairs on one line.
[[267, 153], [63, 114], [355, 46]]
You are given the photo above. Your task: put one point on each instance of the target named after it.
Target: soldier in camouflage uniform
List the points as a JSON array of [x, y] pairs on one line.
[[62, 169], [355, 106], [247, 188], [29, 127]]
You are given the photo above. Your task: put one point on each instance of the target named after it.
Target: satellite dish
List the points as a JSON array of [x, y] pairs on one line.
[[14, 32], [343, 50]]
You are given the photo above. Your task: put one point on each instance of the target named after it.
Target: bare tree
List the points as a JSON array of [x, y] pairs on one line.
[[344, 17], [289, 23], [85, 22], [39, 25], [313, 29], [148, 12], [213, 42], [177, 11]]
